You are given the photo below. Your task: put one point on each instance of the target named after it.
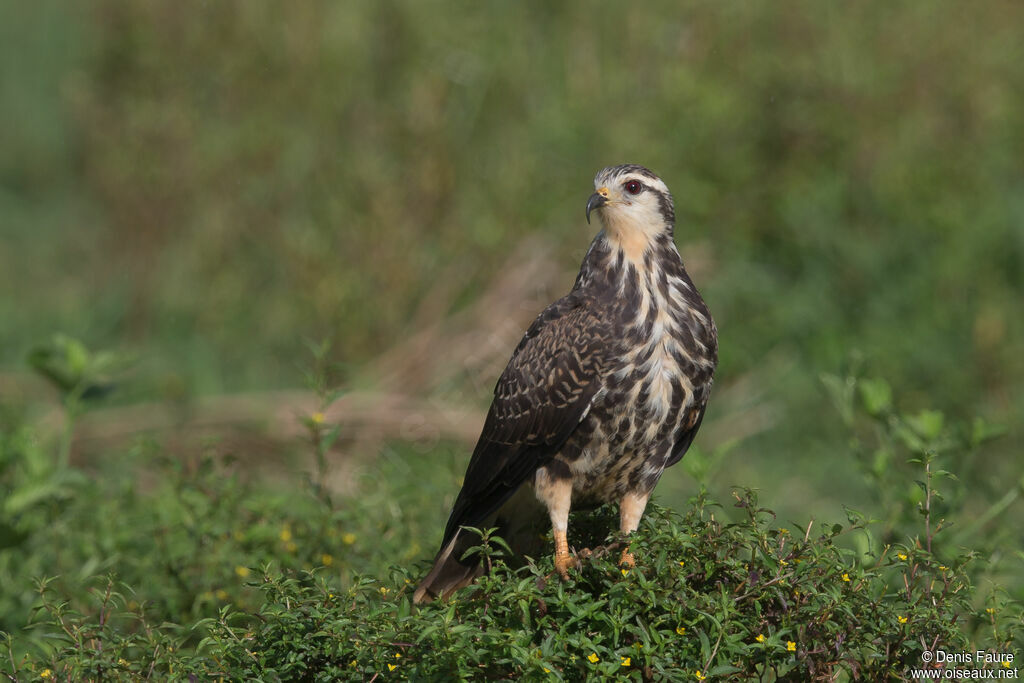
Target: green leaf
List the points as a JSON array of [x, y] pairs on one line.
[[876, 395], [927, 423]]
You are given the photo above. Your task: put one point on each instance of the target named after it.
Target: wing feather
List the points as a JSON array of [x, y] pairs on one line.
[[539, 400]]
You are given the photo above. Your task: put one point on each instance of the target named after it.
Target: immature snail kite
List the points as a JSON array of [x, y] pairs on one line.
[[606, 389]]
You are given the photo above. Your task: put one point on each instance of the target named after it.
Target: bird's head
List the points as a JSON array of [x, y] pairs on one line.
[[634, 205]]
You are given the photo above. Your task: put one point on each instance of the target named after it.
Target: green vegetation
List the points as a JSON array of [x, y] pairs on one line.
[[202, 187], [213, 575], [727, 602]]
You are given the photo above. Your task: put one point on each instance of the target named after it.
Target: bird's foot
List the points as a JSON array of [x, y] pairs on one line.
[[563, 562], [628, 560]]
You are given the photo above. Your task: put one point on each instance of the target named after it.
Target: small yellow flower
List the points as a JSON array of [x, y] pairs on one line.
[[348, 539], [594, 659], [638, 646], [242, 571], [990, 610], [291, 547], [221, 594], [353, 663], [626, 661], [783, 530], [760, 638], [943, 568], [46, 673], [286, 534], [681, 630], [625, 572], [791, 645], [1006, 665], [326, 560], [699, 676], [122, 662], [398, 655], [902, 556], [783, 563], [317, 418], [330, 596], [392, 667], [846, 578], [546, 670], [681, 563], [383, 590], [902, 620]]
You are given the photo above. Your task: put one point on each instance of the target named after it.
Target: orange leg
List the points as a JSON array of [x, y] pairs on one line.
[[556, 494], [631, 509], [563, 560]]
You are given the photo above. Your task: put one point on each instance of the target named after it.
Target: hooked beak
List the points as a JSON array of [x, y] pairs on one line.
[[596, 201]]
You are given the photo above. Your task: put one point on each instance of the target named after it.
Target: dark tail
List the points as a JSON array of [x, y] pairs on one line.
[[449, 573]]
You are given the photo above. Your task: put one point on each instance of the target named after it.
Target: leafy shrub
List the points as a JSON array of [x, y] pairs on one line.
[[221, 576], [707, 599]]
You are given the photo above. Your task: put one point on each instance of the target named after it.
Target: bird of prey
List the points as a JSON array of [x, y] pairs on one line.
[[606, 389]]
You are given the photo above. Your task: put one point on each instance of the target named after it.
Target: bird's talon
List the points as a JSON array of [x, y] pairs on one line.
[[563, 562], [627, 560]]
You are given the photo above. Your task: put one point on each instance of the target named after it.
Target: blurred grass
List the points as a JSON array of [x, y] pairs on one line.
[[209, 183]]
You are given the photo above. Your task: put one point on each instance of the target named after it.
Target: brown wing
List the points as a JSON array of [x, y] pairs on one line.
[[540, 399]]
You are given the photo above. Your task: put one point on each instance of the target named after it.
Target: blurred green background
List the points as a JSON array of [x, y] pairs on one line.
[[208, 185]]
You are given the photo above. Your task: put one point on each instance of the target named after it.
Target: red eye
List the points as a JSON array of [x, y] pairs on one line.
[[634, 187]]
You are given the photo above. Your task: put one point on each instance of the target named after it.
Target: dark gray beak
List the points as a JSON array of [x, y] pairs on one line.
[[596, 201]]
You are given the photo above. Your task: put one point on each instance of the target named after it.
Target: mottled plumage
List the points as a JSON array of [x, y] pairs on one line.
[[607, 388]]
